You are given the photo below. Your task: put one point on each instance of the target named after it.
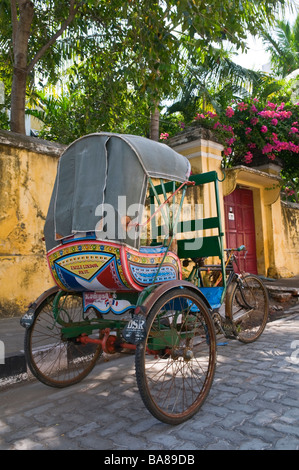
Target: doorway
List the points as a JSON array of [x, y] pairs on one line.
[[240, 226]]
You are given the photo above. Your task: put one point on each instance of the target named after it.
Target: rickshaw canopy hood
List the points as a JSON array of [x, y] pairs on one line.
[[106, 170]]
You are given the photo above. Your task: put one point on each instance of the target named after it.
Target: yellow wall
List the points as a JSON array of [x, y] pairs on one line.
[[290, 245], [27, 171]]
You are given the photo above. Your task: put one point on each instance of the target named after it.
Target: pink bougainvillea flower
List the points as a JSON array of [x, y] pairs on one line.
[[227, 151], [268, 114], [271, 156], [280, 107], [293, 147], [248, 130], [164, 136], [279, 146], [251, 145], [264, 129], [199, 116], [271, 105], [274, 122], [254, 121], [293, 130], [248, 157], [253, 108], [267, 148], [228, 128], [230, 142], [242, 106], [217, 124], [229, 112], [284, 114]]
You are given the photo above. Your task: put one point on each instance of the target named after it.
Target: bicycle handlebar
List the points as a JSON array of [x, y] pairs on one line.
[[240, 248]]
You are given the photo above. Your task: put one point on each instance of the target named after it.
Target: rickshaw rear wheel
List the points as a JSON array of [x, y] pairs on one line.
[[52, 359], [175, 364]]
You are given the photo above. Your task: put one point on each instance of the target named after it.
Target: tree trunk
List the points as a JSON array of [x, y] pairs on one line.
[[21, 33], [154, 125], [18, 98]]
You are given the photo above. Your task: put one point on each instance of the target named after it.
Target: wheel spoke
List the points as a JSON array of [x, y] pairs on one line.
[[54, 360], [175, 382]]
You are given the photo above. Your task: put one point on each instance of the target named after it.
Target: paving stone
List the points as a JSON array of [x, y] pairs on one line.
[[254, 444], [287, 443]]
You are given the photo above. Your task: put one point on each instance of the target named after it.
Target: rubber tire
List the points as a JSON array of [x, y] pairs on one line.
[[140, 360]]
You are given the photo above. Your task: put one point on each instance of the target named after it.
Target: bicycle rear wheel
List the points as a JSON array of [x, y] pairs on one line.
[[53, 359], [175, 365], [248, 308]]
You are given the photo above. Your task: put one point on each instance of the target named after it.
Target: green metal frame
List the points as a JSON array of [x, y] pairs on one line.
[[210, 246], [86, 326]]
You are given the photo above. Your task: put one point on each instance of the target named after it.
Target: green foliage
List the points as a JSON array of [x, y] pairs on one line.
[[4, 121], [90, 106], [145, 40], [212, 84], [283, 45]]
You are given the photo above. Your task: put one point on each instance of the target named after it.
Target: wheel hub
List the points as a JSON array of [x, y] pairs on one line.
[[185, 353]]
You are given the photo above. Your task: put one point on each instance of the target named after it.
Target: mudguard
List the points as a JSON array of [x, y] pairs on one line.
[[155, 295], [28, 317]]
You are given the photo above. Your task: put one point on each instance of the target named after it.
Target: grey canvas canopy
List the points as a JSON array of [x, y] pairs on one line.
[[106, 170]]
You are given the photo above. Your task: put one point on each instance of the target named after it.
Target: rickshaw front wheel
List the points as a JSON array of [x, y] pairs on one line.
[[52, 359], [175, 364]]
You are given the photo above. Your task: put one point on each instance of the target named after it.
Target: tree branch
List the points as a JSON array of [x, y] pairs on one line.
[[72, 12]]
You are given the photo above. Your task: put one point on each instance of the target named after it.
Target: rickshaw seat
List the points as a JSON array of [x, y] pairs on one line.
[[208, 246]]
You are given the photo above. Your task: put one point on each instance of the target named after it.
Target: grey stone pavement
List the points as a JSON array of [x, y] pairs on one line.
[[253, 405]]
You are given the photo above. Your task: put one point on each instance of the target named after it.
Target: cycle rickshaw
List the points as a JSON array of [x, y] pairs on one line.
[[114, 293]]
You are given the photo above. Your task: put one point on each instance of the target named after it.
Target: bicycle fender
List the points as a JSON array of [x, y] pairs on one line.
[[161, 289], [28, 317]]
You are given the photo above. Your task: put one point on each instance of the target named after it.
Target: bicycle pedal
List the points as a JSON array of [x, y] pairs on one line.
[[229, 329]]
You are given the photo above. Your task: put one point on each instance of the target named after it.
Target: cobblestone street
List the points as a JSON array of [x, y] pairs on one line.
[[253, 404]]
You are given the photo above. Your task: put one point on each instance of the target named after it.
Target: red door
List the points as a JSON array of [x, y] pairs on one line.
[[240, 228]]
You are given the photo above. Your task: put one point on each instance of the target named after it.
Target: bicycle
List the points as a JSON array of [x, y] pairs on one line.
[[245, 312]]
